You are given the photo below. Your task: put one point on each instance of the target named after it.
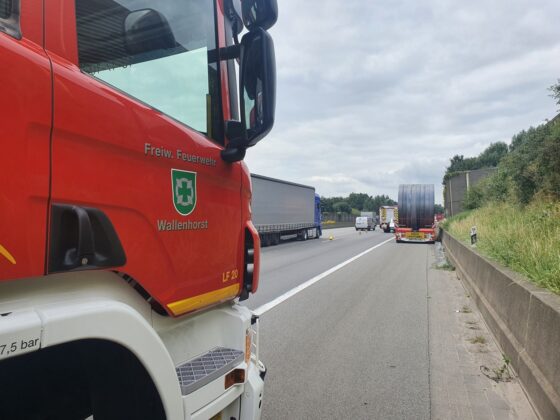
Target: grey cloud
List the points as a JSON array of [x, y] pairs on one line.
[[372, 94]]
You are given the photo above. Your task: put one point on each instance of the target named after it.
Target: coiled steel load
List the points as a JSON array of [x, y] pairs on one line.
[[416, 205]]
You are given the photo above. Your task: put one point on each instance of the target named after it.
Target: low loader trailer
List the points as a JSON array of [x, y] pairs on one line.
[[416, 214], [126, 239]]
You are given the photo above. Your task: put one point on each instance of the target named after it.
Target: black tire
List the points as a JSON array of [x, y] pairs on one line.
[[304, 235]]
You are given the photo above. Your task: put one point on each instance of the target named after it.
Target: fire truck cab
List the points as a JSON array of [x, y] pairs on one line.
[[126, 239]]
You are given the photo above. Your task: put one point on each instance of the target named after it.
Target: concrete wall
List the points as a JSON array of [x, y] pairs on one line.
[[456, 188], [524, 318]]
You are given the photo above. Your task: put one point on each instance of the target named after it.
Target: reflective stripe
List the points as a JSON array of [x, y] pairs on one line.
[[5, 253], [201, 301]]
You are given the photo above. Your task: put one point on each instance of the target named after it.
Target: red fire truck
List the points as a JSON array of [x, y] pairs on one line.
[[126, 238]]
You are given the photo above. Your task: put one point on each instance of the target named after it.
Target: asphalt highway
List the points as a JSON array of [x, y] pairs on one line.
[[289, 264], [352, 343]]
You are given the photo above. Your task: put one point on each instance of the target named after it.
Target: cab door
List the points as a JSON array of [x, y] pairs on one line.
[[25, 123], [137, 136]]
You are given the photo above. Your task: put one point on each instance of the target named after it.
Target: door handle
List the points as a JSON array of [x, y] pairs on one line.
[[82, 238]]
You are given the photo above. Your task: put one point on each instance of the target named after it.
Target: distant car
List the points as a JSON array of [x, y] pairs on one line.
[[364, 223]]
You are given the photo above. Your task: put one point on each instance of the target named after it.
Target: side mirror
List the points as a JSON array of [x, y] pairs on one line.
[[259, 13], [147, 30], [257, 85], [257, 88]]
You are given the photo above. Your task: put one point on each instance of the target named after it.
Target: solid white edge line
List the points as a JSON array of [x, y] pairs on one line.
[[277, 301]]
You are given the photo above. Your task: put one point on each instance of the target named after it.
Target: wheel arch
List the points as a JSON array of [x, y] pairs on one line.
[[97, 306], [117, 323]]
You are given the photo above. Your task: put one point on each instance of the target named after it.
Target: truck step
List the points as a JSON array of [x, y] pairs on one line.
[[197, 372]]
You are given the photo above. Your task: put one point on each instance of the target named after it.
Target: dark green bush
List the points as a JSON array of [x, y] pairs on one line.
[[530, 168]]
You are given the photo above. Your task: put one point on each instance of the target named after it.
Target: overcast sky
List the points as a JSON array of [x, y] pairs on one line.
[[372, 94]]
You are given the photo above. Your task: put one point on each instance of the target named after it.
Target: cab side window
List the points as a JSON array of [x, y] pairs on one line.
[[157, 52], [9, 18]]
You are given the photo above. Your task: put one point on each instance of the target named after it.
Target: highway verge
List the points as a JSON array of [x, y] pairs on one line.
[[525, 239], [524, 318]]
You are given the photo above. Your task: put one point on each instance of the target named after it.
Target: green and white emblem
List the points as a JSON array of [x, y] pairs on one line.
[[183, 185]]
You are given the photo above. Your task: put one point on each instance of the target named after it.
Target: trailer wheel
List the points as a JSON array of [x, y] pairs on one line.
[[276, 239], [304, 235]]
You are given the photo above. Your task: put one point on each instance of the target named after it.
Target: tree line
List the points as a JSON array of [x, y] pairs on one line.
[[358, 201], [489, 158], [528, 169]]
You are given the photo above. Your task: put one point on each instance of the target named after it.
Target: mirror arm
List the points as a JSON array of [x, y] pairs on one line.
[[233, 154], [234, 131], [224, 53], [231, 52], [236, 147]]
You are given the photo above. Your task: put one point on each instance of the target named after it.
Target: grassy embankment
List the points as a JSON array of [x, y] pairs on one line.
[[525, 239]]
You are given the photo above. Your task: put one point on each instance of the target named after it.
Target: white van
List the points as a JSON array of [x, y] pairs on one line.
[[364, 223]]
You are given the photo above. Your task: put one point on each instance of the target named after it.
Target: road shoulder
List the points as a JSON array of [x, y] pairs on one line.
[[468, 378]]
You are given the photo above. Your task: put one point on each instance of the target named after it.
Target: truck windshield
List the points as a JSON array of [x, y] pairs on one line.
[[156, 52]]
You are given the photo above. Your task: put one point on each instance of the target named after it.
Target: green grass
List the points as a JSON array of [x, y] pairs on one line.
[[525, 239]]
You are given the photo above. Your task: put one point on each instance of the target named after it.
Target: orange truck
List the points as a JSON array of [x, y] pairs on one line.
[[388, 217], [126, 240], [416, 214]]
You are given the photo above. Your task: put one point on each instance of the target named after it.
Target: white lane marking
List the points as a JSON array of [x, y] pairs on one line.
[[268, 306], [342, 235]]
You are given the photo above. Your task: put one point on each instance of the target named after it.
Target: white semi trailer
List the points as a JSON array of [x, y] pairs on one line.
[[281, 208]]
